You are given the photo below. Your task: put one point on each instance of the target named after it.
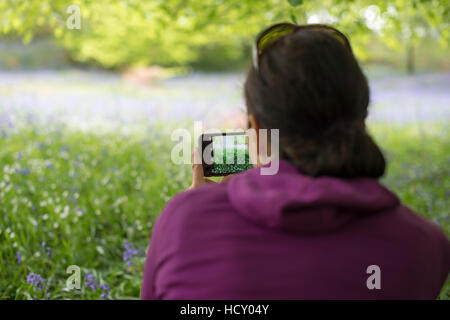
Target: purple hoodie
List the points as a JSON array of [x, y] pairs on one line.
[[290, 236]]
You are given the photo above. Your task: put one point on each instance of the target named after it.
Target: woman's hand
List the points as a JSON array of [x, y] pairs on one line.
[[197, 171], [198, 177]]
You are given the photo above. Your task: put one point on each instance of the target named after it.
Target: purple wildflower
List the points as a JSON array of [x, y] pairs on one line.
[[47, 248], [36, 280], [89, 281], [129, 252], [46, 296], [105, 288], [18, 257], [24, 171]]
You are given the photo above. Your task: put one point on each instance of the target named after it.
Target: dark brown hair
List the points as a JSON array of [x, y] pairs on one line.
[[311, 87]]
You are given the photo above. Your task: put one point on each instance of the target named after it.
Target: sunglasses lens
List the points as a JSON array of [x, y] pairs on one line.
[[271, 35], [274, 33]]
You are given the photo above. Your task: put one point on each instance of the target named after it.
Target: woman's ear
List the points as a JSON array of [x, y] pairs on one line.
[[254, 138], [254, 124]]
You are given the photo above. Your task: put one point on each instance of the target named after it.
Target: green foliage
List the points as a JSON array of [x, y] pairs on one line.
[[295, 2], [418, 167], [85, 194], [398, 23], [134, 33], [124, 33]]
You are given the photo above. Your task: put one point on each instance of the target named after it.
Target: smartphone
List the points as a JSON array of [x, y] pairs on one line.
[[224, 153]]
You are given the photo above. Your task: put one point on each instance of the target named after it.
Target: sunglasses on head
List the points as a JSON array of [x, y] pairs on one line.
[[277, 31]]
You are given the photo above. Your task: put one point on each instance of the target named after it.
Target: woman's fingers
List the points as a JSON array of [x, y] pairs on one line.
[[197, 174], [197, 168], [196, 157], [198, 177]]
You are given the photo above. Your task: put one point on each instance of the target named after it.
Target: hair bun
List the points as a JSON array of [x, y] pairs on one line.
[[343, 127], [347, 150]]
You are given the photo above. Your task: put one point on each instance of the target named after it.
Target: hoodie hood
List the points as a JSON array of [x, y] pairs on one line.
[[292, 201]]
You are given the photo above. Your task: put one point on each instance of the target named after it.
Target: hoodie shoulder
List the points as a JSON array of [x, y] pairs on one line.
[[422, 226], [207, 197], [427, 236]]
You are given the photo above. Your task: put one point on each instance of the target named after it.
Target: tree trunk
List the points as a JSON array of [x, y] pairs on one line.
[[410, 61]]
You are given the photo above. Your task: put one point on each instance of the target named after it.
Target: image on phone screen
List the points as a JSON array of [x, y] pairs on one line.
[[228, 152]]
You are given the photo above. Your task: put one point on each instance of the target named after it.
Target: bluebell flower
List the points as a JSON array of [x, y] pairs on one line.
[[46, 296], [36, 280], [89, 281], [129, 252], [18, 257], [24, 171], [47, 248], [105, 288], [30, 277]]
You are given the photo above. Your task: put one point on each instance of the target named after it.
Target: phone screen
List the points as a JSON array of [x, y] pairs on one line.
[[225, 154]]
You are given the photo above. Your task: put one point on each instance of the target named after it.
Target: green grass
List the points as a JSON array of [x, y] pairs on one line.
[[113, 187], [84, 194]]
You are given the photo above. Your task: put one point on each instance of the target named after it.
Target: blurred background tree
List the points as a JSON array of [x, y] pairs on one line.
[[216, 34], [399, 24]]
